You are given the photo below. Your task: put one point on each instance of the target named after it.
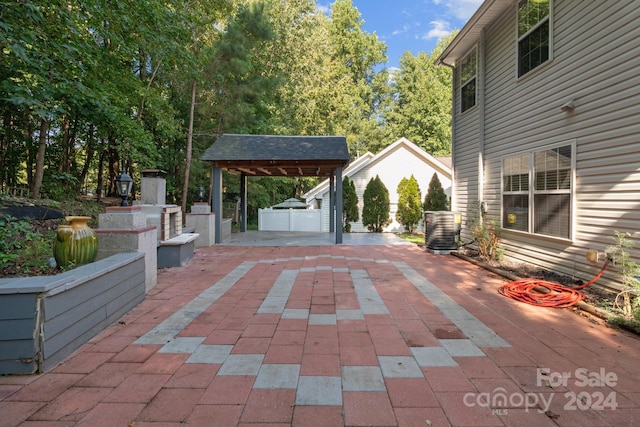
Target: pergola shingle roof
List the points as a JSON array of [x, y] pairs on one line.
[[275, 155]]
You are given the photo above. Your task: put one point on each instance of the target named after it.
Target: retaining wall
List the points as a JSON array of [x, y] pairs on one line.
[[45, 319]]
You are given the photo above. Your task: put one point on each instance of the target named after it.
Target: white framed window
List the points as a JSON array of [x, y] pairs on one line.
[[534, 34], [537, 191], [468, 72]]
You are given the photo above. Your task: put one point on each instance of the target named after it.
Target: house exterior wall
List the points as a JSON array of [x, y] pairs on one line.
[[593, 61]]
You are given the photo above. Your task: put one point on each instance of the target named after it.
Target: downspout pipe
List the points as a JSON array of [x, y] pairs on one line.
[[481, 122], [453, 130]]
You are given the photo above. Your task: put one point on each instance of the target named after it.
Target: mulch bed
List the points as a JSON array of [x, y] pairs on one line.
[[595, 296]]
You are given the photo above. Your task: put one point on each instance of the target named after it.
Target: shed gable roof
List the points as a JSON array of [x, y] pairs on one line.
[[370, 160], [277, 155]]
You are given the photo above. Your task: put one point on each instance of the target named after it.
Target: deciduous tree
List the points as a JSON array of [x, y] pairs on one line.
[[419, 104]]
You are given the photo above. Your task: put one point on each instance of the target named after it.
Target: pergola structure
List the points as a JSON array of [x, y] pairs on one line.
[[275, 155]]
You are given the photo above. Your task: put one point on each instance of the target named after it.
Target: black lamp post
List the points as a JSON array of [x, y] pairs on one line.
[[124, 184], [201, 194]]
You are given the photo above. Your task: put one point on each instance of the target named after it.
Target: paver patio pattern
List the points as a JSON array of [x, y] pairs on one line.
[[336, 335]]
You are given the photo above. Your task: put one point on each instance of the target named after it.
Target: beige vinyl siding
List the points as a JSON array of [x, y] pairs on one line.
[[465, 158], [596, 46], [326, 212]]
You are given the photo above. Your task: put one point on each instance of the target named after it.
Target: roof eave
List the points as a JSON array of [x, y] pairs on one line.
[[470, 33]]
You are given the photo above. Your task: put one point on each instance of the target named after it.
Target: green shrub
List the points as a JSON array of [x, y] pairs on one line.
[[486, 234], [375, 212], [22, 248], [629, 271], [435, 199], [409, 211], [59, 185], [350, 204]]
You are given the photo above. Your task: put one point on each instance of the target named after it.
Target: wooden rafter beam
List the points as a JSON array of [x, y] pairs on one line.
[[265, 171], [283, 171], [247, 171]]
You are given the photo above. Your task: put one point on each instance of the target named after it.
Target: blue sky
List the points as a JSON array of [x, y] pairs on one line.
[[414, 25]]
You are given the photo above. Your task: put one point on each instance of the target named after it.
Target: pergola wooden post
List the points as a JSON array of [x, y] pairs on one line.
[[216, 201]]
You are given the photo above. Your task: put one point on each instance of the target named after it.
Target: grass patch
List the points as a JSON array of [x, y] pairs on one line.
[[416, 237]]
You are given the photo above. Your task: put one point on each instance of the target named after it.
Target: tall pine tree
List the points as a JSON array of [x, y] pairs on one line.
[[436, 199]]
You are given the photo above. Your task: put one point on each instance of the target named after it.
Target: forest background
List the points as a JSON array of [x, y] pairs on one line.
[[90, 88]]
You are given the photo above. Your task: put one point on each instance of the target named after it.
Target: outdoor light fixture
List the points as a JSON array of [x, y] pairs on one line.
[[568, 106], [124, 184], [201, 194]]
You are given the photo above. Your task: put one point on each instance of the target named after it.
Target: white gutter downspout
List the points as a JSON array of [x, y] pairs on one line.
[[481, 122], [481, 119], [453, 133]]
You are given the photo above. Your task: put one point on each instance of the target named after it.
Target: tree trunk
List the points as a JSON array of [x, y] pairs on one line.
[[103, 154], [63, 165], [73, 161], [39, 172], [89, 157], [29, 146], [187, 163], [112, 166], [4, 145]]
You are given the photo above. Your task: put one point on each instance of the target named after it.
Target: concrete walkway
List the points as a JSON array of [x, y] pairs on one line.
[[299, 238], [333, 335]]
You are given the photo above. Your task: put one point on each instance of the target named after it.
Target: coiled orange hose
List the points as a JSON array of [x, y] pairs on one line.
[[546, 294]]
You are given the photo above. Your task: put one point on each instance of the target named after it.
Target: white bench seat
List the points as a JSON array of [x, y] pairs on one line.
[[180, 239]]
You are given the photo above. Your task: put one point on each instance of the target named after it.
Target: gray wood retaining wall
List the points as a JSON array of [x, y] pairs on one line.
[[45, 319]]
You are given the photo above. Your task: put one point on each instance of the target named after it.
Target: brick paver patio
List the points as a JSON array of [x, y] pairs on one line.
[[332, 336]]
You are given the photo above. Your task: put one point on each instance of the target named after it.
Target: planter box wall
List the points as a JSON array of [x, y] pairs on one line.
[[45, 319]]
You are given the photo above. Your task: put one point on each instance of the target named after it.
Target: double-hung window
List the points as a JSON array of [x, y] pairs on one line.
[[537, 191], [533, 34], [468, 81]]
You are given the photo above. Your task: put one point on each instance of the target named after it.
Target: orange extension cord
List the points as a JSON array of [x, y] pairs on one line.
[[546, 294]]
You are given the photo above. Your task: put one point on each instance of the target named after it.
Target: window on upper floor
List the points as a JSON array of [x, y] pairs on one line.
[[537, 191], [533, 34], [468, 80]]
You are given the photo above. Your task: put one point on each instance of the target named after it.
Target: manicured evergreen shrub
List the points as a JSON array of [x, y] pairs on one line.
[[436, 199], [350, 204], [409, 211], [375, 212]]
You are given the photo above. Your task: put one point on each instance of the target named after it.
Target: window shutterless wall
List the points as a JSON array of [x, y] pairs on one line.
[[538, 191]]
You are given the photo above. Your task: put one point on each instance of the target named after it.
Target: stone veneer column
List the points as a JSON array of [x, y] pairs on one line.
[[124, 229], [203, 221], [153, 187]]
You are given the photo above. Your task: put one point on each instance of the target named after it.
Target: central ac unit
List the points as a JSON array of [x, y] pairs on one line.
[[442, 230]]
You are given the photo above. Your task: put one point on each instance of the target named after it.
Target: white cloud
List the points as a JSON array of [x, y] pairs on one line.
[[461, 9], [324, 9], [438, 30], [404, 29], [393, 72]]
